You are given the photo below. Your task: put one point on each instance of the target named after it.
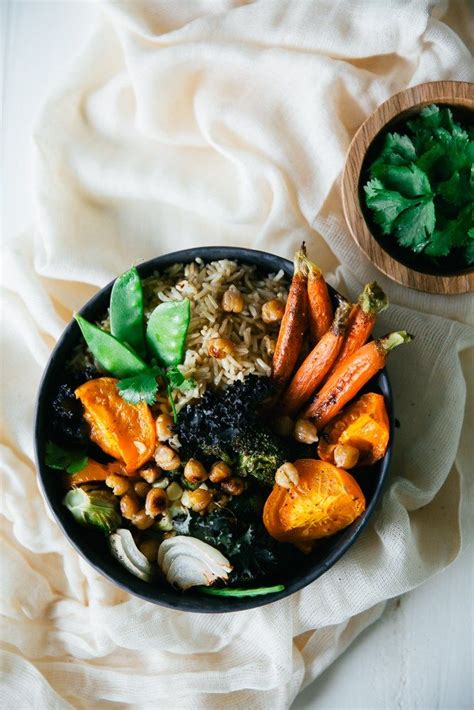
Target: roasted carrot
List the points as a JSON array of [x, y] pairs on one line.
[[319, 302], [370, 303], [318, 363], [350, 376], [293, 324]]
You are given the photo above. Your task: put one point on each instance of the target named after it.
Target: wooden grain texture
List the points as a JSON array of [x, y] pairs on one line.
[[454, 93]]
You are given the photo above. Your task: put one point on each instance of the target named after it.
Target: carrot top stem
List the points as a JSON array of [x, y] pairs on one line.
[[393, 340], [341, 316], [373, 300]]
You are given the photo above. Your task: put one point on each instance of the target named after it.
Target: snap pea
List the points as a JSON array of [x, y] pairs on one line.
[[126, 311], [230, 592], [166, 331], [115, 357]]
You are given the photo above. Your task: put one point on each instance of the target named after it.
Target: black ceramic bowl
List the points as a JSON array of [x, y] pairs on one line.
[[93, 546]]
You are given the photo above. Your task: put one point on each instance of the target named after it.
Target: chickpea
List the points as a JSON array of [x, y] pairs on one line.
[[156, 502], [273, 311], [234, 486], [287, 476], [197, 500], [194, 471], [232, 300], [150, 474], [163, 427], [269, 344], [220, 471], [141, 488], [149, 548], [167, 458], [346, 456], [283, 426], [129, 506], [220, 347], [162, 483], [305, 431], [174, 491], [142, 521], [118, 484]]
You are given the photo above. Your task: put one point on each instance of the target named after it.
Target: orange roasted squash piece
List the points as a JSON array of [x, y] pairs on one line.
[[125, 431], [363, 425], [325, 500], [94, 472]]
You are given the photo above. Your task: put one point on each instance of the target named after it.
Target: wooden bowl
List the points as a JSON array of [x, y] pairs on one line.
[[458, 94]]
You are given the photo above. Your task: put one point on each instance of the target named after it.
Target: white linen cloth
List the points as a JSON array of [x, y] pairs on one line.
[[199, 123]]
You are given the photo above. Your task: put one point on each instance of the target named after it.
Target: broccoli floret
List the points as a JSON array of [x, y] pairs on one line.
[[259, 454]]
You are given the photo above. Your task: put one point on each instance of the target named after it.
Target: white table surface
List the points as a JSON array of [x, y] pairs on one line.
[[420, 654]]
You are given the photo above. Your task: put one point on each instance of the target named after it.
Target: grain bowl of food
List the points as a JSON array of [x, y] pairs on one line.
[[215, 427]]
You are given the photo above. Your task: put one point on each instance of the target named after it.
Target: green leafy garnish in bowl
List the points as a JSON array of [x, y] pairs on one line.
[[421, 186]]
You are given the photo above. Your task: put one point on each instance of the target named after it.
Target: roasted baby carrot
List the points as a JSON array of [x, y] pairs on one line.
[[318, 363], [293, 324], [350, 376], [319, 303], [370, 303]]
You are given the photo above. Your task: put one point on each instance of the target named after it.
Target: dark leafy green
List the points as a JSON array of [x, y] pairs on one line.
[[68, 460], [421, 185]]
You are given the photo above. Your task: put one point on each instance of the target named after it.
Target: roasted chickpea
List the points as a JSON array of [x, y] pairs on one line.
[[234, 486], [129, 506], [150, 474], [118, 484], [220, 471], [141, 488], [305, 431], [174, 491], [273, 311], [167, 458], [197, 500], [194, 471], [156, 502], [287, 475], [232, 300], [163, 427], [149, 548], [142, 521], [346, 456], [220, 347]]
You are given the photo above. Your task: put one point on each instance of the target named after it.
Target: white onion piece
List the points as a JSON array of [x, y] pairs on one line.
[[123, 548], [188, 562]]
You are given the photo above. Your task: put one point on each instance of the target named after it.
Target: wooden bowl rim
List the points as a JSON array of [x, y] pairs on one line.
[[459, 93]]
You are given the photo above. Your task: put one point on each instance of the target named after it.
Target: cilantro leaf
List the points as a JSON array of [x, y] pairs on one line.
[[398, 150], [386, 204], [140, 388], [469, 252], [178, 381], [415, 225], [440, 243], [408, 180], [68, 460]]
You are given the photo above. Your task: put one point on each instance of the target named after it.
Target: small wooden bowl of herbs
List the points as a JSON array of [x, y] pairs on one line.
[[408, 187]]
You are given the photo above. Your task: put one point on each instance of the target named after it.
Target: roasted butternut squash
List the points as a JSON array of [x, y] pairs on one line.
[[363, 425], [325, 500], [125, 431], [94, 471]]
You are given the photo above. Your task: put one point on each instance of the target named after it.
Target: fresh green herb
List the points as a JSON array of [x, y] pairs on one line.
[[166, 331], [96, 508], [65, 459], [228, 592], [126, 311], [140, 388], [115, 357], [421, 186], [178, 381]]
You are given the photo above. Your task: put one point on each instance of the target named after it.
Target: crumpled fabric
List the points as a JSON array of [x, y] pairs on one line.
[[207, 123]]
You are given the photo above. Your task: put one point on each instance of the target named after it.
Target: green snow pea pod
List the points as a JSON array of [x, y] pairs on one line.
[[126, 311], [115, 357], [166, 331], [229, 592]]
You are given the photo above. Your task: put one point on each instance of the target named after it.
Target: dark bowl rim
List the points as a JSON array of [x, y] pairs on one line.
[[267, 262]]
